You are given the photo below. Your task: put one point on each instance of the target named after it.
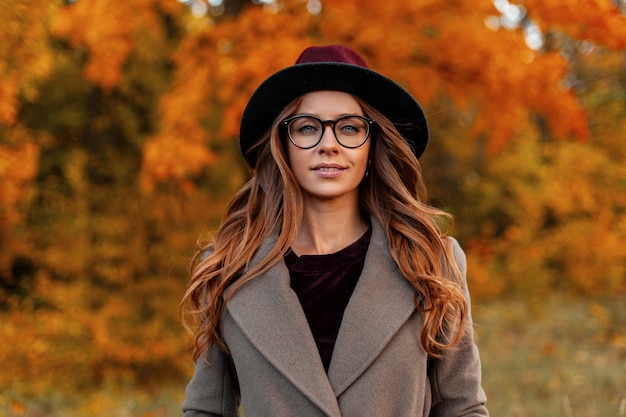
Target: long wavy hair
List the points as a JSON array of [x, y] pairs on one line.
[[271, 203]]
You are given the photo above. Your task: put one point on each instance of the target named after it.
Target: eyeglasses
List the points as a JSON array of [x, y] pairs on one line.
[[306, 131]]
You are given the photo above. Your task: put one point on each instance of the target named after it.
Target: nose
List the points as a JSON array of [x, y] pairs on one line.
[[329, 142]]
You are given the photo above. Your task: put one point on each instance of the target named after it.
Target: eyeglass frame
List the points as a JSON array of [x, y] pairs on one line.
[[286, 123]]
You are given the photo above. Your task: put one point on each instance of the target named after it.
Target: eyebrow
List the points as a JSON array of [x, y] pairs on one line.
[[338, 116]]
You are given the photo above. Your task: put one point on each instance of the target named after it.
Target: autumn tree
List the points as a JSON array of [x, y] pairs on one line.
[[87, 293], [550, 214]]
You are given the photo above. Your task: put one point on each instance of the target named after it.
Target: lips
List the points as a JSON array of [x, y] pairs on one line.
[[328, 167], [328, 170]]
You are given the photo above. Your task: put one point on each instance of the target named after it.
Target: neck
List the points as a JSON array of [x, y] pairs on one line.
[[326, 228]]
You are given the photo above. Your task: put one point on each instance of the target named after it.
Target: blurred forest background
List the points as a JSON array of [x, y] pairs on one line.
[[118, 150]]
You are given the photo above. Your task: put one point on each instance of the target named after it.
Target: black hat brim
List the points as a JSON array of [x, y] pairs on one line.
[[384, 94]]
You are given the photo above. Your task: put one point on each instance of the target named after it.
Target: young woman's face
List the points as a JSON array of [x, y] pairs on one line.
[[329, 170]]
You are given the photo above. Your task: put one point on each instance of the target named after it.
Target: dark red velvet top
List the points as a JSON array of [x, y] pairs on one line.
[[324, 285]]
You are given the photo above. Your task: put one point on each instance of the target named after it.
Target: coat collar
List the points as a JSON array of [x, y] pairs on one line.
[[268, 311]]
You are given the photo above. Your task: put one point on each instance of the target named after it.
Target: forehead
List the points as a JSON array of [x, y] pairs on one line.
[[329, 103]]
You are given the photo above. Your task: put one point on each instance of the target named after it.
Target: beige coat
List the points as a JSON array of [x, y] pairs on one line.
[[378, 368]]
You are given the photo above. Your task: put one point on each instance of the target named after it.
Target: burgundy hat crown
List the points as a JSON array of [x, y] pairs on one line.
[[331, 53]]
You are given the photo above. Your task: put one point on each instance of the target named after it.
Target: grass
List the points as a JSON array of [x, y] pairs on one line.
[[130, 402], [559, 357]]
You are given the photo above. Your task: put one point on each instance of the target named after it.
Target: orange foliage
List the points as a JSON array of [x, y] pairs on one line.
[[567, 223], [595, 20], [22, 67], [173, 156], [8, 100], [108, 33], [18, 167], [217, 68]]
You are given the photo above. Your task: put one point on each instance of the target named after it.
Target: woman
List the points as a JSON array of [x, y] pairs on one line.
[[331, 288]]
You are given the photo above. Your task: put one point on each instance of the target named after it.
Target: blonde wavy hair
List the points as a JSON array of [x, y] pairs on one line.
[[271, 202]]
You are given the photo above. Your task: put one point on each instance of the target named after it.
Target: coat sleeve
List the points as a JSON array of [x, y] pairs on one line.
[[456, 378], [213, 390]]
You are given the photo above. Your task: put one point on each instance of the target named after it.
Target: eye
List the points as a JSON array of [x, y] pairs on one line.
[[350, 129], [305, 126], [350, 126], [307, 129]]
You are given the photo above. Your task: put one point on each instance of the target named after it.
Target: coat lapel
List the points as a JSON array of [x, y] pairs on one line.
[[381, 303], [269, 313]]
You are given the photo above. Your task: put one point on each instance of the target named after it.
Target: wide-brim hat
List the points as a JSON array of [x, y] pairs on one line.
[[335, 68]]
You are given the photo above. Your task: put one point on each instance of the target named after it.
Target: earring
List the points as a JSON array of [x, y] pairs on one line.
[[367, 171]]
